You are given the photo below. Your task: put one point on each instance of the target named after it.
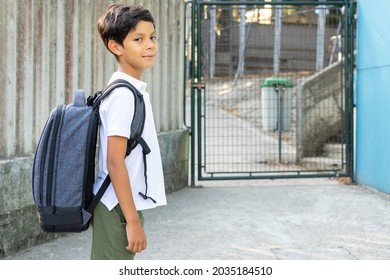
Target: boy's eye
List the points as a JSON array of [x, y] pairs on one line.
[[153, 38], [138, 39]]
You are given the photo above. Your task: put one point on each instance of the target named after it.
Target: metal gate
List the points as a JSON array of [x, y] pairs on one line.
[[270, 88]]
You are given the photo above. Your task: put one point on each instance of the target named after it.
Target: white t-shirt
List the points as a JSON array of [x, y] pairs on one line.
[[116, 114]]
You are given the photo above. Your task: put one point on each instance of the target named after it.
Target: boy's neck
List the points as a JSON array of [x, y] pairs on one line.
[[131, 72]]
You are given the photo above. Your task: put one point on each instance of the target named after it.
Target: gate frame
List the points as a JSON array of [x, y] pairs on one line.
[[198, 87]]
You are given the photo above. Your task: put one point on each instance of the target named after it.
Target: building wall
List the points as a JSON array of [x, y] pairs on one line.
[[298, 48], [48, 49], [373, 95]]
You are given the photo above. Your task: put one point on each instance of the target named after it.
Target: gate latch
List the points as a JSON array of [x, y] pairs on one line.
[[199, 85]]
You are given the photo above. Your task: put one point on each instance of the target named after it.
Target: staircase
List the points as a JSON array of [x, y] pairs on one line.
[[332, 158]]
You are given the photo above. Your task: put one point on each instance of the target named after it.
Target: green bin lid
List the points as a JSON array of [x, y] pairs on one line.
[[273, 81]]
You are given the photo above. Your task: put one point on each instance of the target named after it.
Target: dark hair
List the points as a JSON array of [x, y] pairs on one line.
[[119, 20]]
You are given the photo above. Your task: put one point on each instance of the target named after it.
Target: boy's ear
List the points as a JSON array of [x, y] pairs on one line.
[[114, 47]]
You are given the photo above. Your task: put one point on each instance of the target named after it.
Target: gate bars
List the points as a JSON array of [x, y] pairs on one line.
[[271, 88]]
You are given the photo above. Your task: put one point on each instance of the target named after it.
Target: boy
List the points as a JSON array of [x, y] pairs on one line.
[[128, 32]]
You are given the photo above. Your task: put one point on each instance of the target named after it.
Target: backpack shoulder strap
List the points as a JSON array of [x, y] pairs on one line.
[[137, 126]]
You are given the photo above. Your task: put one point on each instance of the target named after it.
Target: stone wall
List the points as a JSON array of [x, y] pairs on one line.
[[319, 111]]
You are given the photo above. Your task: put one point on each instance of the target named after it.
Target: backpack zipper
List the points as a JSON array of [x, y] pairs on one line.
[[42, 141], [52, 153]]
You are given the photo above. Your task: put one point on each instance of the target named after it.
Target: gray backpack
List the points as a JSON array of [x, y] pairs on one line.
[[64, 163]]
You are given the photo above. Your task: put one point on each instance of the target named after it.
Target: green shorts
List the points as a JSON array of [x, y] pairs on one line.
[[109, 239]]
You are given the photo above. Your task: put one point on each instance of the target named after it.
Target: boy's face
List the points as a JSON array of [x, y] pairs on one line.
[[139, 49]]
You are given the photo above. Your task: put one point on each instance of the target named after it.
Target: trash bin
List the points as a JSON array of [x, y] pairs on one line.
[[276, 91]]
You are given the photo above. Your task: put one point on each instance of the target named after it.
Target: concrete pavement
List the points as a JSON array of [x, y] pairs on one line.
[[299, 219]]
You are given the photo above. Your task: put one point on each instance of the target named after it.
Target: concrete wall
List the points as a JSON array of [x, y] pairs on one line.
[[49, 48], [319, 111], [298, 49], [373, 95]]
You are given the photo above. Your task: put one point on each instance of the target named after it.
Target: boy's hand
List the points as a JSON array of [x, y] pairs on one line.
[[136, 237]]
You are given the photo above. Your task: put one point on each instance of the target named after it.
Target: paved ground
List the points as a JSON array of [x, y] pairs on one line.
[[298, 219], [284, 219]]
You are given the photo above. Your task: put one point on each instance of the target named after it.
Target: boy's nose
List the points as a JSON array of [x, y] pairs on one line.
[[151, 45]]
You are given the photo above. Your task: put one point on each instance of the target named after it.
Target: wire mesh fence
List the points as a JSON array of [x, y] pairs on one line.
[[273, 102]]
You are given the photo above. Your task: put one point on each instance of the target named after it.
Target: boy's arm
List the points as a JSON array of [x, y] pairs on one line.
[[116, 150]]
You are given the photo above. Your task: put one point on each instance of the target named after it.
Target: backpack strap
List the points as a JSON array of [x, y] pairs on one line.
[[145, 151], [137, 127], [136, 130], [99, 195]]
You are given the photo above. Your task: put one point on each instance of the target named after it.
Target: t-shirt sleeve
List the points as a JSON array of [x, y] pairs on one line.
[[119, 112]]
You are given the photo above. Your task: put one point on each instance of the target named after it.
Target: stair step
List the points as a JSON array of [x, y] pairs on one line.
[[322, 163], [334, 150]]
